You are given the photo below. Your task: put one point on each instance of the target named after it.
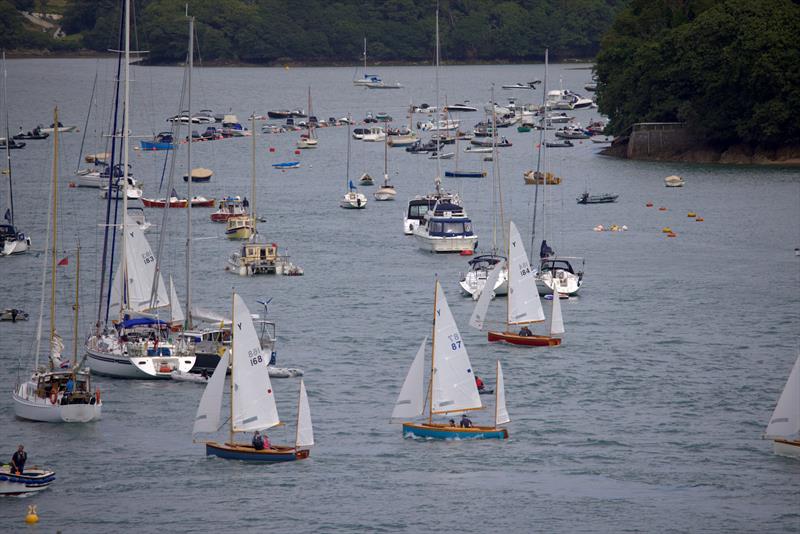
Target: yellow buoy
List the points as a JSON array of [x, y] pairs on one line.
[[32, 517], [666, 230], [691, 214]]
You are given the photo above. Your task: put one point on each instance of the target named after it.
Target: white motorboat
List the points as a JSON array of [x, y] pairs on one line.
[[382, 85], [374, 135], [440, 125], [529, 85], [446, 228], [451, 108], [566, 99], [403, 140], [32, 480], [61, 128], [474, 280], [556, 273], [674, 181], [479, 149]]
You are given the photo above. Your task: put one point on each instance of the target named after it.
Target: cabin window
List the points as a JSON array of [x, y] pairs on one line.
[[436, 228], [418, 211], [454, 228]]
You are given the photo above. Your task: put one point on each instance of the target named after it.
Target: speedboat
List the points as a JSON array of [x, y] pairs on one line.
[[229, 207], [34, 134], [473, 281], [450, 108], [446, 228], [61, 128], [529, 85], [556, 274], [382, 85], [603, 198], [12, 241]]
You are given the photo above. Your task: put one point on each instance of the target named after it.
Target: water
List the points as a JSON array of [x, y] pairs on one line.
[[647, 418]]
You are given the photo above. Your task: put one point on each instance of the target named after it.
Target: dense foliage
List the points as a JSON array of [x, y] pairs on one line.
[[730, 69], [265, 31], [15, 33]]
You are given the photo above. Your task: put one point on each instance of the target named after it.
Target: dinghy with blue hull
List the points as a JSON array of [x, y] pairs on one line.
[[441, 431]]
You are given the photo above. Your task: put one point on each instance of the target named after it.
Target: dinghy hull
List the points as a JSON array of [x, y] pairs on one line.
[[529, 341], [440, 431], [785, 447], [31, 481], [240, 451]]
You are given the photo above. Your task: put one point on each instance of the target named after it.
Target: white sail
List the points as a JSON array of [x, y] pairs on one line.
[[175, 310], [482, 306], [253, 398], [305, 432], [207, 418], [141, 268], [556, 321], [500, 410], [785, 420], [453, 387], [410, 401], [523, 297]]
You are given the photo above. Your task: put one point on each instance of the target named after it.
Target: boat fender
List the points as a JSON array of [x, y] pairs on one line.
[[97, 395], [21, 236], [53, 396]]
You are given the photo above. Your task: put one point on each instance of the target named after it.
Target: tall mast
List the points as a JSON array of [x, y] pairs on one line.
[[125, 151], [539, 162], [189, 182], [433, 352], [50, 218], [233, 342], [365, 57], [347, 177], [253, 172], [8, 144], [438, 179], [55, 228], [76, 306]]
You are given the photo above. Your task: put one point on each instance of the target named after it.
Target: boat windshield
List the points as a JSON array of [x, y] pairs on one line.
[[450, 228], [417, 211]]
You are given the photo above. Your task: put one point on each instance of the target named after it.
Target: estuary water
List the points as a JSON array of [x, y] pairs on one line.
[[648, 418]]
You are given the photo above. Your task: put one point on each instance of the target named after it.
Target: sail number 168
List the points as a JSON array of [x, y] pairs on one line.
[[255, 357]]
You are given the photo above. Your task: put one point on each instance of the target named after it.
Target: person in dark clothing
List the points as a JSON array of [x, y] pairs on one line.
[[245, 203], [258, 441], [525, 331], [465, 422], [14, 313], [18, 460]]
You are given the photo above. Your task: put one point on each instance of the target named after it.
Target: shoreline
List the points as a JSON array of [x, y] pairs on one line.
[[738, 154]]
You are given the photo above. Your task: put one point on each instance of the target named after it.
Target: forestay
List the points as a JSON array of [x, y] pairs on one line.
[[523, 297], [207, 418], [253, 397], [410, 401], [500, 412], [785, 420], [478, 318], [305, 431], [453, 387]]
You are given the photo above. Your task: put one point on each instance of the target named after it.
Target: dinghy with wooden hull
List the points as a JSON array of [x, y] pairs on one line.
[[530, 341], [784, 425], [252, 400]]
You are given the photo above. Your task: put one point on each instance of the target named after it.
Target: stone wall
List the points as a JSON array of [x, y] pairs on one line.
[[658, 140]]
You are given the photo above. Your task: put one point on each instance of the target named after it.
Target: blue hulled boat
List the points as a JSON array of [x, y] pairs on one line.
[[162, 141]]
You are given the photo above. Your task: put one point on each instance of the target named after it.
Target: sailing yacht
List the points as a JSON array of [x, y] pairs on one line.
[[387, 190], [523, 306], [60, 391], [308, 139], [451, 387], [367, 78], [12, 241], [252, 400], [784, 425], [352, 199]]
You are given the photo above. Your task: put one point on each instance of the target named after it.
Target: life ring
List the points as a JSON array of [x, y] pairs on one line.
[[53, 396]]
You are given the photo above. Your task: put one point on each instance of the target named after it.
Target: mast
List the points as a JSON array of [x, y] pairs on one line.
[[55, 229], [539, 162], [76, 306], [365, 57], [189, 183], [253, 172], [125, 153], [233, 342], [433, 351], [386, 157], [347, 177], [438, 179], [8, 143], [496, 392]]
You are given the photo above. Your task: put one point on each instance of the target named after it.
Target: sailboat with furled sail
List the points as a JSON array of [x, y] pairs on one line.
[[451, 385], [61, 391], [523, 304], [252, 400], [784, 425]]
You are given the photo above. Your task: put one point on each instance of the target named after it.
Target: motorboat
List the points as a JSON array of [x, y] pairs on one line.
[[446, 228], [382, 85], [279, 114], [239, 227], [485, 142], [230, 207], [674, 181], [479, 149], [10, 144], [532, 177], [256, 258], [420, 205], [566, 99], [35, 134], [452, 108], [603, 198], [402, 140], [441, 155], [162, 141], [566, 143], [572, 131], [441, 124], [422, 108], [13, 315], [175, 202], [32, 480], [474, 280], [61, 128], [556, 274], [529, 85], [375, 134]]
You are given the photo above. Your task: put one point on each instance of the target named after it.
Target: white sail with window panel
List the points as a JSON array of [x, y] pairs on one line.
[[410, 401], [207, 417], [523, 297], [453, 387], [253, 397], [785, 420]]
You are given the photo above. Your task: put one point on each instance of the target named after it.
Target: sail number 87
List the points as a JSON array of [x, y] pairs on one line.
[[255, 357], [455, 341]]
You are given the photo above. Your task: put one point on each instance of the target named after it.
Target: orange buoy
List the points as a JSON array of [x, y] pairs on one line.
[[699, 219], [672, 234], [466, 253], [649, 205], [662, 208], [272, 149], [691, 214]]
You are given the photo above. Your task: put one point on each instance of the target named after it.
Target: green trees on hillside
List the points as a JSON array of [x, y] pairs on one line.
[[730, 68], [261, 31]]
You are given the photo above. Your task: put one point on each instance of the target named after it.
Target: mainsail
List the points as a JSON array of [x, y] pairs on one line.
[[478, 317], [523, 297], [410, 401], [253, 397], [785, 420], [556, 321], [207, 418], [500, 411], [453, 387]]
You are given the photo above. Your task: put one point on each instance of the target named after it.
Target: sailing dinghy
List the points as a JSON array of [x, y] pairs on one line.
[[451, 387], [252, 400], [784, 425]]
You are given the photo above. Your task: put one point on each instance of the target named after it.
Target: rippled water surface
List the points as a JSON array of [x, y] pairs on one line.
[[647, 418]]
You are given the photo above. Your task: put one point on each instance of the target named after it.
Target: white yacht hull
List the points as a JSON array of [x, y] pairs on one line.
[[28, 406], [444, 244], [354, 201], [385, 193], [565, 283], [91, 179], [16, 246], [143, 367], [409, 225], [474, 282]]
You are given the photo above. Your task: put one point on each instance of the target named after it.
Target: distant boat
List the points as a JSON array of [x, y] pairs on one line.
[[529, 85], [450, 108], [33, 480], [286, 165], [784, 425], [674, 181], [199, 175], [451, 385], [162, 141], [603, 198], [465, 174], [383, 85], [352, 199]]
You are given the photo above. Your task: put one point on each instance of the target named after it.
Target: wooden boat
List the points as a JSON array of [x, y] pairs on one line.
[[784, 425], [532, 177], [199, 175], [252, 398], [450, 388], [523, 305], [240, 227]]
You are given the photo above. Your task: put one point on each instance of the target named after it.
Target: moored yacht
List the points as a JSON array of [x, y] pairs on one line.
[[556, 273], [446, 228], [473, 281]]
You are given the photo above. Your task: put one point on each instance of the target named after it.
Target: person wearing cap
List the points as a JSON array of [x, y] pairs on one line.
[[18, 460], [465, 422], [258, 441]]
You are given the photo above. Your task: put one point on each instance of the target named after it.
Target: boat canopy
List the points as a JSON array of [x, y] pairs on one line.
[[142, 321], [485, 259]]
